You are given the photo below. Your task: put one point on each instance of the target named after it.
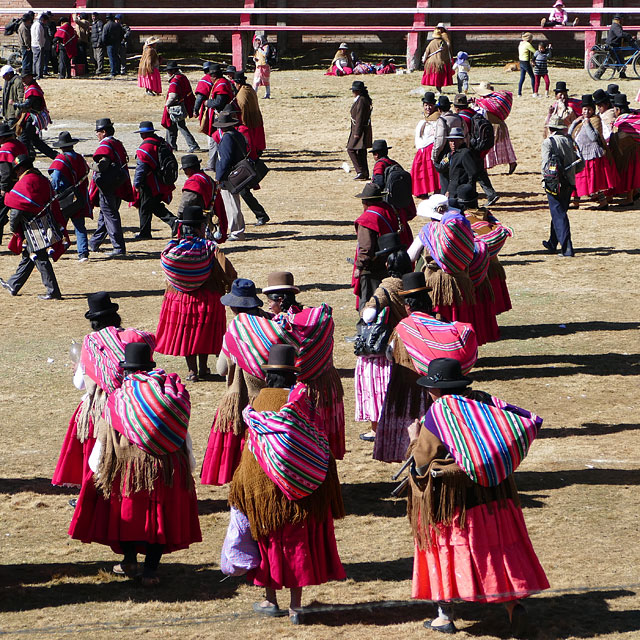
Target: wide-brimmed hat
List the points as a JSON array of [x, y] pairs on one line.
[[558, 3], [192, 215], [343, 45], [429, 97], [561, 86], [444, 104], [413, 282], [379, 146], [145, 127], [484, 89], [225, 120], [215, 67], [358, 85], [6, 69], [461, 100], [388, 243], [427, 208], [371, 191], [205, 66], [282, 357], [239, 76], [600, 96], [444, 373], [620, 100], [528, 36], [587, 101], [456, 133], [466, 194], [64, 140], [242, 295], [151, 40], [99, 305], [190, 161], [137, 357], [280, 281], [23, 160], [556, 123], [6, 130], [230, 69], [103, 123], [172, 65]]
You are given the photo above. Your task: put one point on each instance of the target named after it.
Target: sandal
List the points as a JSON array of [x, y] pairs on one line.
[[193, 377], [271, 610], [369, 436]]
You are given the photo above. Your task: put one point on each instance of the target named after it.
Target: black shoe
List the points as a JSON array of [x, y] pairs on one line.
[[73, 502], [623, 75], [493, 200], [519, 622], [361, 176], [50, 296], [262, 221], [548, 246], [139, 236], [569, 254], [8, 287], [195, 149]]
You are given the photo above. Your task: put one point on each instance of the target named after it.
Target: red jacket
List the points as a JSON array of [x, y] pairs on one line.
[[115, 151], [203, 185], [147, 153], [69, 39], [180, 85], [74, 168]]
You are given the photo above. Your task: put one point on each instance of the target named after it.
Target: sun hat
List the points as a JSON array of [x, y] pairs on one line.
[[556, 123], [99, 305], [242, 295], [444, 373], [484, 89], [456, 133], [427, 208], [343, 45], [527, 36], [371, 191], [225, 120], [280, 281], [151, 40]]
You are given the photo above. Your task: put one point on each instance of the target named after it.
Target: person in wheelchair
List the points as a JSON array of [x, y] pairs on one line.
[[618, 38]]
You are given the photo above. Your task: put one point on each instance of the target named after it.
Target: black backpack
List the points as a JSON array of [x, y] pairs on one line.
[[398, 185], [272, 55], [167, 164], [481, 137], [553, 171], [12, 26]]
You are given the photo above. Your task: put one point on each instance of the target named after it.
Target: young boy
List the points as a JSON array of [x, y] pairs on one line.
[[462, 67], [540, 58]]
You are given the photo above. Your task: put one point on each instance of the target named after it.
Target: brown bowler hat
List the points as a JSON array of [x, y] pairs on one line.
[[280, 281]]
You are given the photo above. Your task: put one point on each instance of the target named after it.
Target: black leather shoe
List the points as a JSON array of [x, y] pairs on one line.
[[50, 296], [262, 221], [548, 246], [8, 287], [139, 237]]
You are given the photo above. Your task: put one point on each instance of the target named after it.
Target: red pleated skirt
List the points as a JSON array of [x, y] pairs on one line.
[[190, 323], [151, 82], [73, 461], [630, 175], [257, 139], [166, 515], [490, 560], [502, 299], [298, 555], [598, 175], [330, 420], [451, 313], [425, 178], [222, 457], [484, 317], [442, 78]]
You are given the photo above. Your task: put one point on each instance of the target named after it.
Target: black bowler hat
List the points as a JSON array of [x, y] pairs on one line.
[[239, 76], [444, 373], [379, 146], [242, 295], [225, 120], [281, 357], [99, 305], [444, 104], [65, 140], [561, 87], [620, 100], [205, 66], [230, 69], [172, 65], [214, 67], [358, 85], [109, 16], [192, 215], [388, 243], [371, 191], [24, 161], [613, 89], [6, 130], [600, 96], [587, 101], [466, 194], [145, 127], [103, 123], [413, 282], [137, 357], [429, 97], [189, 161]]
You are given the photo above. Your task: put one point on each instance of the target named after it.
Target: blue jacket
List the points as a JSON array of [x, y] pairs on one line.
[[231, 149]]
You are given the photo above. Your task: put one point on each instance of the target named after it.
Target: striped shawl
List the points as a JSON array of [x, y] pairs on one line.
[[187, 262], [449, 241]]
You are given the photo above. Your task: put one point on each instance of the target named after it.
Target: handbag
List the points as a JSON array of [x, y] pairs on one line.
[[177, 112], [373, 338], [246, 174], [240, 552], [70, 202]]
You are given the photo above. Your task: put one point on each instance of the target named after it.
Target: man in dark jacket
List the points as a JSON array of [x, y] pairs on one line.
[[38, 118], [618, 37], [231, 149], [464, 166], [24, 40], [111, 39], [124, 43], [96, 42]]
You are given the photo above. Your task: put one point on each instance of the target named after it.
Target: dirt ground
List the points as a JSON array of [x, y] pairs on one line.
[[569, 351]]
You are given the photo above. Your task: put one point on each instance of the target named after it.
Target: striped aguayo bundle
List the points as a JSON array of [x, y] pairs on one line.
[[103, 351], [187, 262], [249, 338], [487, 442], [288, 448], [479, 267], [629, 123], [151, 409], [426, 339], [449, 241], [498, 103], [496, 238]]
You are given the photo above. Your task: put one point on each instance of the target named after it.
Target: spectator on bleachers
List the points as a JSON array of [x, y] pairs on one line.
[[343, 62], [557, 17]]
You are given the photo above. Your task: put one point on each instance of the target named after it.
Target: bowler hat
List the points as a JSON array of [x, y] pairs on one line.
[[280, 281], [189, 161], [460, 100], [172, 65], [371, 191], [620, 100], [239, 76], [444, 373], [65, 140], [388, 243], [600, 96], [379, 146], [137, 357], [103, 123], [230, 69], [225, 120], [358, 85], [99, 305], [215, 68], [413, 282], [145, 127], [281, 357], [23, 160], [242, 295], [429, 97], [561, 86], [613, 89], [587, 101], [456, 133], [192, 214], [6, 130], [466, 194], [444, 104]]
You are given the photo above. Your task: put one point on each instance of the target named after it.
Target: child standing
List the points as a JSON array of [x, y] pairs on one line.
[[540, 70], [462, 67]]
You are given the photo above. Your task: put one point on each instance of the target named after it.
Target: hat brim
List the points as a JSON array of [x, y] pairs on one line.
[[225, 125], [386, 252], [361, 196], [241, 302], [426, 381], [279, 367], [92, 315], [284, 287], [147, 366], [381, 149], [455, 137], [60, 145], [145, 131], [410, 291]]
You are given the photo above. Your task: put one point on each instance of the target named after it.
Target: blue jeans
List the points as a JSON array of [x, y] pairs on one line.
[[525, 68], [113, 51], [82, 241], [27, 60]]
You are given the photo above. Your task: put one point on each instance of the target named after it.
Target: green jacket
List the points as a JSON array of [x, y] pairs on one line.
[[14, 91]]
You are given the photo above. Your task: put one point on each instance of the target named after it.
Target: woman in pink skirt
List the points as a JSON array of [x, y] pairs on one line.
[[373, 371], [424, 177], [262, 75], [438, 67], [192, 319], [471, 541], [149, 68], [599, 177], [291, 521]]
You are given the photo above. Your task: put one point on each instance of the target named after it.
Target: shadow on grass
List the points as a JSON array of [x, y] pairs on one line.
[[325, 286], [373, 498], [588, 429], [387, 570], [41, 486], [318, 223], [525, 332], [550, 480], [208, 506]]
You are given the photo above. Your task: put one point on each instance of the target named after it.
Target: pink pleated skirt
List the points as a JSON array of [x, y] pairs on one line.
[[502, 151], [73, 461], [371, 381], [298, 555], [490, 560], [330, 420], [598, 175], [190, 323], [424, 177], [222, 457], [151, 82], [502, 299], [442, 78]]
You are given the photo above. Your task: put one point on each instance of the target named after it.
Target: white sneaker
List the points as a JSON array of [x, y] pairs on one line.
[[534, 95], [83, 259]]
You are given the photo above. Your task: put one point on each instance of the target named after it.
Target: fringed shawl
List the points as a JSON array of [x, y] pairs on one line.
[[449, 289]]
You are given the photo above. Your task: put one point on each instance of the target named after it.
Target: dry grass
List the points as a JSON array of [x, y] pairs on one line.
[[570, 353]]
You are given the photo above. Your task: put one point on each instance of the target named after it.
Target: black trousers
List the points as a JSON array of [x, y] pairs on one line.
[[560, 232], [368, 285], [359, 161], [43, 265], [150, 206], [153, 555], [253, 204], [32, 141], [64, 64]]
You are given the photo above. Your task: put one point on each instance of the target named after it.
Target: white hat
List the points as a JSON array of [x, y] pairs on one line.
[[6, 69], [427, 208]]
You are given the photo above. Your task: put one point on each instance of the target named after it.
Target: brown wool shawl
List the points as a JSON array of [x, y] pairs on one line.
[[249, 106], [448, 289]]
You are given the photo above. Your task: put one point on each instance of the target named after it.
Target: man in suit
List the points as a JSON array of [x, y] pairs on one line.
[[360, 137]]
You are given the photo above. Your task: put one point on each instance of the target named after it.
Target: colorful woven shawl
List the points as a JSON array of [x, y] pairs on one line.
[[479, 266], [629, 123], [287, 446], [103, 351], [187, 262], [426, 338], [496, 238], [249, 338], [487, 442], [151, 409], [449, 241], [498, 103]]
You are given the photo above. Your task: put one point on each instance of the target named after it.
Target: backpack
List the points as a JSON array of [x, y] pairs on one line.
[[272, 55], [481, 137], [553, 170], [167, 163], [12, 27], [398, 185]]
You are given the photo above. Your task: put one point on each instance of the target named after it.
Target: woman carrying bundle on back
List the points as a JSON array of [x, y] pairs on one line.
[[149, 68], [438, 69]]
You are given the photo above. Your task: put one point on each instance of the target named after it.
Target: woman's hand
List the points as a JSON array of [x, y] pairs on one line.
[[414, 430]]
